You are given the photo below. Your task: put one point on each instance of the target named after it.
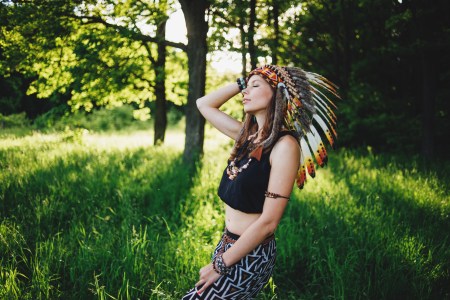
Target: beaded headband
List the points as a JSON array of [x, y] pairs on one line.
[[268, 75], [301, 100]]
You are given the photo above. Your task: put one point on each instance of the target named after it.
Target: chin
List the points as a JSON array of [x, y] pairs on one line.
[[248, 109]]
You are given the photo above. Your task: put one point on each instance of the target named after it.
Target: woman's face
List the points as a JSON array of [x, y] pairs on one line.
[[257, 95]]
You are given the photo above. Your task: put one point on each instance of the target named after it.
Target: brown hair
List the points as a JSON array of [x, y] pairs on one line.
[[300, 98], [251, 127]]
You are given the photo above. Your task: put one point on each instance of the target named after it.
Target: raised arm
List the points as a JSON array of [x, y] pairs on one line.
[[209, 105]]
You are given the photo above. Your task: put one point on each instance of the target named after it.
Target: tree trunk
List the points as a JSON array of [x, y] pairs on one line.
[[276, 28], [243, 49], [345, 60], [429, 80], [426, 22], [197, 27], [251, 35], [160, 123]]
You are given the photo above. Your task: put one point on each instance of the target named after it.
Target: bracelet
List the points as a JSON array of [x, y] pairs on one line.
[[214, 266], [241, 83], [219, 265]]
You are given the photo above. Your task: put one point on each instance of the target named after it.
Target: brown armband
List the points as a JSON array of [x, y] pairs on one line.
[[274, 195]]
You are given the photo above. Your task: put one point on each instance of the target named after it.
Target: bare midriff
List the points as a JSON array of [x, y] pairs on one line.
[[237, 221]]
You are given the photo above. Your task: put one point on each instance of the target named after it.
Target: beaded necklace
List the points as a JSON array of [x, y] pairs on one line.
[[232, 169]]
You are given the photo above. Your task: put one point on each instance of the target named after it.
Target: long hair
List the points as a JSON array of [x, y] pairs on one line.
[[300, 98], [251, 127]]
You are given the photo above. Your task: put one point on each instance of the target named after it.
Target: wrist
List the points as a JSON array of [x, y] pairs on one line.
[[219, 265], [241, 83]]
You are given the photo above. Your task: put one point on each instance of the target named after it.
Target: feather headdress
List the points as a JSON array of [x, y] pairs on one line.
[[302, 105]]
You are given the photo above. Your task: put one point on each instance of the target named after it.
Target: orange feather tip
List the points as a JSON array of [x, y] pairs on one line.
[[323, 154], [310, 167], [322, 150], [334, 131], [289, 107], [318, 157], [330, 138], [301, 177], [300, 184]]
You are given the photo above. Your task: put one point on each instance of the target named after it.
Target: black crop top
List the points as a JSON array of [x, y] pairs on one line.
[[246, 191]]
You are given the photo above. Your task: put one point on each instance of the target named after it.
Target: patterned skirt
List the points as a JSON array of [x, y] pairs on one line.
[[246, 278]]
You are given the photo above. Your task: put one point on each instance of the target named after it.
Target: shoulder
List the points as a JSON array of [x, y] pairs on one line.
[[286, 143], [286, 148]]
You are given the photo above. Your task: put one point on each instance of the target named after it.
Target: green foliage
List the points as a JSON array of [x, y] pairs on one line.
[[121, 118], [14, 120], [107, 119], [230, 28], [109, 69], [109, 217], [13, 244], [378, 53], [371, 229], [104, 56], [384, 56], [177, 77], [102, 119], [10, 93]]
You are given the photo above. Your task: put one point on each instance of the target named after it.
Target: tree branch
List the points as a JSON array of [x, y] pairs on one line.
[[149, 52], [125, 31], [227, 20]]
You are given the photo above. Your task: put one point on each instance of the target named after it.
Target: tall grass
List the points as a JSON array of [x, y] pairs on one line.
[[86, 216]]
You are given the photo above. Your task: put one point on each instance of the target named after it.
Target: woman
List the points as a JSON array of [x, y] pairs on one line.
[[279, 105]]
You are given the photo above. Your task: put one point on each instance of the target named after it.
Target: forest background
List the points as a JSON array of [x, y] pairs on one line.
[[74, 73]]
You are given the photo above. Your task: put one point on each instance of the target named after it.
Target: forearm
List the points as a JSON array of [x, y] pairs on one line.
[[209, 105], [253, 236], [218, 97]]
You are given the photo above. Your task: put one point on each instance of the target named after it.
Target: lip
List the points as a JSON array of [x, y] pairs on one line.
[[245, 100]]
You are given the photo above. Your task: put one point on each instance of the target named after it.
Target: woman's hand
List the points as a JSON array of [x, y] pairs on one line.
[[207, 277]]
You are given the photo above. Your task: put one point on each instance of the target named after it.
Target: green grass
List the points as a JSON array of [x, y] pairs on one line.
[[109, 216]]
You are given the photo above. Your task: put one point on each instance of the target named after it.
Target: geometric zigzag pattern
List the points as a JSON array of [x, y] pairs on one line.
[[246, 278]]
